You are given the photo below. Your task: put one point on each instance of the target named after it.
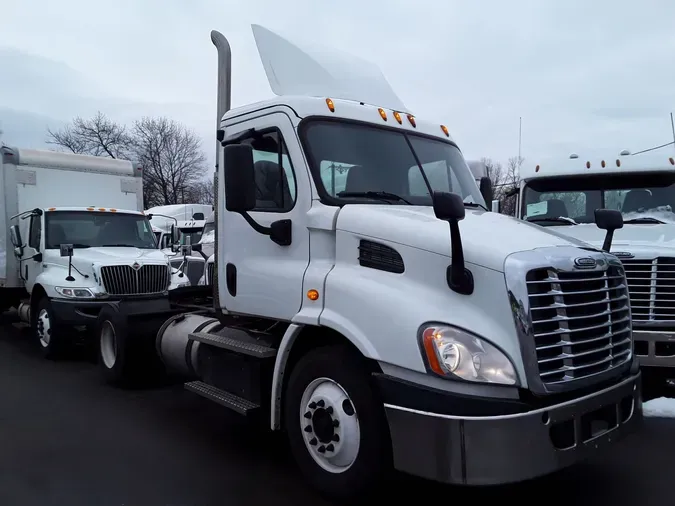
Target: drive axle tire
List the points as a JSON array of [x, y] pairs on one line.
[[336, 424], [117, 361], [51, 336]]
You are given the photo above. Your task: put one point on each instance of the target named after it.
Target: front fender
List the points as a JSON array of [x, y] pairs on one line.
[[381, 312]]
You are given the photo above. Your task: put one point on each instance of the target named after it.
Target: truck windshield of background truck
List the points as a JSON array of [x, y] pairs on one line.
[[87, 229], [642, 198], [209, 233], [355, 161], [195, 234]]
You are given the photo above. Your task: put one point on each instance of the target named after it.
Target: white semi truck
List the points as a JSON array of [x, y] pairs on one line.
[[392, 323], [563, 194], [78, 239]]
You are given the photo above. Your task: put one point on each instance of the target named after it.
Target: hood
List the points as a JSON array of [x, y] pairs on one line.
[[488, 238], [643, 236], [116, 256]]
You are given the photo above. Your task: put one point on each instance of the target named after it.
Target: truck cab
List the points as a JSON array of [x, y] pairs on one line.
[[562, 195], [69, 256]]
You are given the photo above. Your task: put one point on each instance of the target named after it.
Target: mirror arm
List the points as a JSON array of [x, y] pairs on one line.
[[607, 244], [459, 278], [255, 225]]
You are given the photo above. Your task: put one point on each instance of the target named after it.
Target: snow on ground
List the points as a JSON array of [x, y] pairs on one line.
[[662, 407]]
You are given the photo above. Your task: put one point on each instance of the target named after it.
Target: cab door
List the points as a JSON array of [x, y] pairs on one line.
[[31, 261], [257, 276]]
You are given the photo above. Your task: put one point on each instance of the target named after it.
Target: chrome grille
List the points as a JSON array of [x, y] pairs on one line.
[[580, 322], [209, 273], [125, 280], [651, 284]]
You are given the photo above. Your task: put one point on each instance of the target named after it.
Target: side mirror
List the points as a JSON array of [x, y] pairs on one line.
[[486, 189], [239, 178], [174, 235], [450, 207], [609, 220], [15, 236]]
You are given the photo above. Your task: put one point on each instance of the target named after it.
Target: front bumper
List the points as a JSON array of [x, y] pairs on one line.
[[77, 312], [506, 448], [654, 348]]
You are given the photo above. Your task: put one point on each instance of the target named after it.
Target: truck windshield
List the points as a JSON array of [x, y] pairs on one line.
[[86, 229], [641, 198], [354, 161], [209, 233], [193, 233]]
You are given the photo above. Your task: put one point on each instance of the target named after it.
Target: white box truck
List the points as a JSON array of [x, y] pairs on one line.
[[392, 323], [72, 236], [562, 194]]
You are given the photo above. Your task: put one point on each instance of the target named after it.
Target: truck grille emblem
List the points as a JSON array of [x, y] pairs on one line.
[[585, 263], [623, 254], [135, 266]]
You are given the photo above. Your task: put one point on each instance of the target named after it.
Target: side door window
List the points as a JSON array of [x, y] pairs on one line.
[[35, 232], [276, 186]]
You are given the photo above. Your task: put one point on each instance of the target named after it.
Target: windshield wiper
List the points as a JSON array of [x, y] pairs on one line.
[[475, 204], [77, 245], [123, 246], [375, 195], [646, 219], [559, 219]]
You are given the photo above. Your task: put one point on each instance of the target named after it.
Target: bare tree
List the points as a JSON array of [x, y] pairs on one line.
[[509, 185], [172, 159], [97, 136], [495, 172], [200, 193], [170, 154]]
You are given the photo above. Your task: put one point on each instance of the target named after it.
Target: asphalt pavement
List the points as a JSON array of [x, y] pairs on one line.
[[67, 439]]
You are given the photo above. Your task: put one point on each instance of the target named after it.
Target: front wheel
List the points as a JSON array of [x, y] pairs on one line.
[[335, 423], [49, 333]]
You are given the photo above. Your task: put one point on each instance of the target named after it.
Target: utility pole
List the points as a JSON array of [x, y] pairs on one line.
[[520, 137], [672, 127]]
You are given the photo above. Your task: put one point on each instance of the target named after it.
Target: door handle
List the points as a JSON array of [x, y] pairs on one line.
[[231, 279]]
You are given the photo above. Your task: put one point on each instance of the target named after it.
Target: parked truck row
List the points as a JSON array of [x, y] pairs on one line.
[[358, 295]]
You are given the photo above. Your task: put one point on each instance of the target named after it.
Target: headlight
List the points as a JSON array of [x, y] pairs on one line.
[[452, 352], [75, 293]]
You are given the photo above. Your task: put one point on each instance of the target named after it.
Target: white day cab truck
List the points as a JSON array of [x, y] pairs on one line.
[[79, 240], [393, 323], [563, 195]]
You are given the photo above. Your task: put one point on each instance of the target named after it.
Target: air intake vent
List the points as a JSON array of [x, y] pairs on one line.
[[380, 257]]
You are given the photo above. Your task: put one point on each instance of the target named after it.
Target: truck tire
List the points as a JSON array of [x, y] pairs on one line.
[[117, 361], [336, 424], [51, 336]]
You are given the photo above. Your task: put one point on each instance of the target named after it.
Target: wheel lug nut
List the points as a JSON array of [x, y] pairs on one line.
[[312, 405], [308, 415], [320, 403], [336, 438], [329, 410], [308, 428], [330, 447], [321, 449], [336, 423], [313, 441]]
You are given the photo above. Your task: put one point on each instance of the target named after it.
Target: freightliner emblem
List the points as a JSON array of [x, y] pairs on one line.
[[623, 254], [585, 263]]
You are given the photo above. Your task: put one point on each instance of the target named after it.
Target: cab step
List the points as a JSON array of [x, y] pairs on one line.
[[226, 399], [234, 344]]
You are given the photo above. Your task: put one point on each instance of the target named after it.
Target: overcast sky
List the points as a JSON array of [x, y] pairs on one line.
[[591, 77]]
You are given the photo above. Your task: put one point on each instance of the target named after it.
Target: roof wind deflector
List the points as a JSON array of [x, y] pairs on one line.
[[309, 69]]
